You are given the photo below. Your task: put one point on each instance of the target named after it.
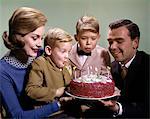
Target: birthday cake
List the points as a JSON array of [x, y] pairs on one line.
[[92, 86]]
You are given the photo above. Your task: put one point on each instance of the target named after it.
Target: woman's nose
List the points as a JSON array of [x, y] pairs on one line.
[[39, 43]]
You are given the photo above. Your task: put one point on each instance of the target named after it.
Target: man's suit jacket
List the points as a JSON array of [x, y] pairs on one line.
[[135, 87], [99, 59]]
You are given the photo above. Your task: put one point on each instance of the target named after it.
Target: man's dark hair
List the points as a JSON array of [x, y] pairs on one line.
[[132, 27]]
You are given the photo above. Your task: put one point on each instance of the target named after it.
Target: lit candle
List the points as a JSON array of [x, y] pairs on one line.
[[74, 69], [88, 70], [96, 70], [108, 72], [100, 71], [91, 70]]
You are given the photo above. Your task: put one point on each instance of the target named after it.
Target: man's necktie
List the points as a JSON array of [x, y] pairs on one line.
[[124, 71]]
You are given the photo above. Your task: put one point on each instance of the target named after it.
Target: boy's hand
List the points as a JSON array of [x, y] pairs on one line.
[[60, 91], [65, 99]]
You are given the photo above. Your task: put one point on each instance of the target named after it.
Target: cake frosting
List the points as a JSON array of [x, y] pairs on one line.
[[92, 86]]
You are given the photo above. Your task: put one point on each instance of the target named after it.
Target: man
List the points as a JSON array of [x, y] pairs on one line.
[[123, 38]]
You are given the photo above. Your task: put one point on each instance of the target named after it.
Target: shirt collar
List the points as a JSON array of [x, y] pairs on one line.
[[81, 52], [128, 63]]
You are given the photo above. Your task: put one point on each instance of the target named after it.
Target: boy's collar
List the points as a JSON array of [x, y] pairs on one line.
[[81, 52]]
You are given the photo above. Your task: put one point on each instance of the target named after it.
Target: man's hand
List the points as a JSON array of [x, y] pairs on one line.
[[111, 104]]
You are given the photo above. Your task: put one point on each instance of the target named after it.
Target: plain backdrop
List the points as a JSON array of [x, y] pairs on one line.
[[65, 13]]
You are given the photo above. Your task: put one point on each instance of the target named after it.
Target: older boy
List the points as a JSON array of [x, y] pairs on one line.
[[86, 55]]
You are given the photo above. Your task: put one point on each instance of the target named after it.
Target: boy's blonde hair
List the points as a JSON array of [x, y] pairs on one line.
[[56, 35], [87, 23]]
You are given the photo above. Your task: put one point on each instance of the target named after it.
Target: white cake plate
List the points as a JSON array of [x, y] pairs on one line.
[[116, 93]]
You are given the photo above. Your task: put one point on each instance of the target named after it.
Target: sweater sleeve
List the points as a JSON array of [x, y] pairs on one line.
[[11, 102]]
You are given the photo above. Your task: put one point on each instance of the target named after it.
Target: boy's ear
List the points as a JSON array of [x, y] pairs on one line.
[[75, 37], [99, 35], [48, 50]]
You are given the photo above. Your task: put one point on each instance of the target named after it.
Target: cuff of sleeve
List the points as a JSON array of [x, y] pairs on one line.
[[119, 111], [59, 105]]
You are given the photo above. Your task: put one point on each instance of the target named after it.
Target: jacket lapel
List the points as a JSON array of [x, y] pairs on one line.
[[75, 58]]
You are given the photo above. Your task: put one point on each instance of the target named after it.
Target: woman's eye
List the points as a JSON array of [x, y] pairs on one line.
[[34, 38]]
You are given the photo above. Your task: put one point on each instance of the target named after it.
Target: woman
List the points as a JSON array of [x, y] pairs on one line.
[[26, 28]]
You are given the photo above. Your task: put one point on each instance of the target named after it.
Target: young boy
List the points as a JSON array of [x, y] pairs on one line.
[[48, 75], [86, 56]]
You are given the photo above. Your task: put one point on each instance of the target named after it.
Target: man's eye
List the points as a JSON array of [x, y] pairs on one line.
[[119, 42], [42, 38], [110, 42]]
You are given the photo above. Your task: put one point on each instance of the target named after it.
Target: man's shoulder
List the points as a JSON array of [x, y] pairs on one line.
[[143, 54], [143, 57], [114, 63]]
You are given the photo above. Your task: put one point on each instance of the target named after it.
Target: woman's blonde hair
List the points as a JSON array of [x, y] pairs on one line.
[[56, 35], [23, 21], [87, 23]]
